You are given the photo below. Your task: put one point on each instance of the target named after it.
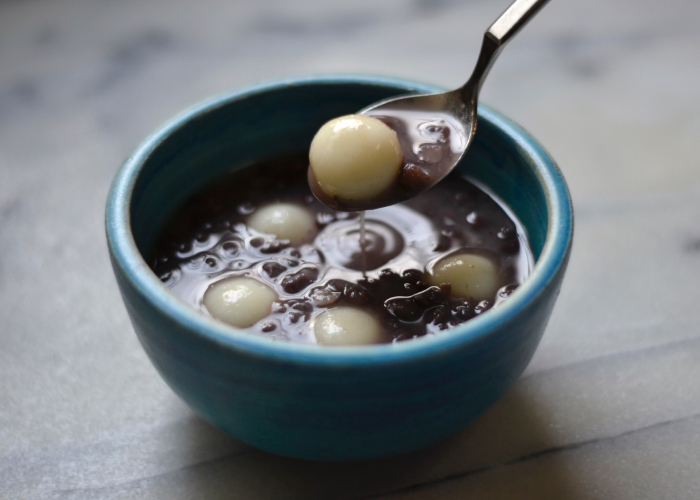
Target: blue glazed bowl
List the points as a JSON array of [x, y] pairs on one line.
[[308, 401]]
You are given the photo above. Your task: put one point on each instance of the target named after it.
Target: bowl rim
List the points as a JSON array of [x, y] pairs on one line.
[[126, 255]]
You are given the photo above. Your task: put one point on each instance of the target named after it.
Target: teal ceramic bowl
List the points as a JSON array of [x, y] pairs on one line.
[[316, 402]]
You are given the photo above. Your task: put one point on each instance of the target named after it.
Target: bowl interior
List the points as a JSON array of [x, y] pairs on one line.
[[240, 130]]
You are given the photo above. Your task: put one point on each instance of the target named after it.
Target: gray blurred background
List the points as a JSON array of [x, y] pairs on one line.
[[609, 406]]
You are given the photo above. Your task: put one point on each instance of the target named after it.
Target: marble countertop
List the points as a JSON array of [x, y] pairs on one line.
[[609, 407]]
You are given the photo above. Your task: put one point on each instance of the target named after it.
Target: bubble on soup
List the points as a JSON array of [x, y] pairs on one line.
[[239, 301], [355, 157], [347, 326], [468, 274], [286, 221]]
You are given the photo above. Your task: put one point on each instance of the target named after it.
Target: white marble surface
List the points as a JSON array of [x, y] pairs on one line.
[[609, 407]]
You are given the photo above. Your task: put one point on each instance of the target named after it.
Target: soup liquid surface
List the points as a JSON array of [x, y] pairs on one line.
[[207, 240]]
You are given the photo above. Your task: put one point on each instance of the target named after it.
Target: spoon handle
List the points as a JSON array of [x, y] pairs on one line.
[[496, 37], [514, 19]]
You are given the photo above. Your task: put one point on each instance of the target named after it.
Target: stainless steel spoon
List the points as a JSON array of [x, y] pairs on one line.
[[435, 130]]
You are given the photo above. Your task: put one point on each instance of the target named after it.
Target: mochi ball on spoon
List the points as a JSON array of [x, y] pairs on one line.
[[347, 326], [470, 275], [355, 157], [239, 301], [286, 221]]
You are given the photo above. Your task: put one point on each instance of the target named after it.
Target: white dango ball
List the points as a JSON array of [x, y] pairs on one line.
[[239, 301], [355, 157], [469, 275], [286, 221], [347, 326]]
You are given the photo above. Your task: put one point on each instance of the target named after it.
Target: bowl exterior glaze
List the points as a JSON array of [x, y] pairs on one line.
[[316, 402]]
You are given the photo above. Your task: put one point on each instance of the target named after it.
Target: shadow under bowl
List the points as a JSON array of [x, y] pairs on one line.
[[307, 401]]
